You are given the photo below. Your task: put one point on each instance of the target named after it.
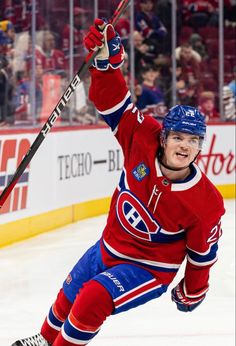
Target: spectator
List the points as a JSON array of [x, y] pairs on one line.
[[182, 92], [144, 53], [163, 9], [20, 14], [7, 37], [152, 29], [230, 13], [79, 31], [22, 97], [186, 51], [200, 13], [80, 107], [229, 104], [22, 51], [207, 106], [198, 46], [52, 59], [6, 93], [123, 28], [151, 101], [232, 84], [190, 63]]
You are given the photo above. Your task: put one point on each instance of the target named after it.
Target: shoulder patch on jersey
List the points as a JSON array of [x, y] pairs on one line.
[[140, 172]]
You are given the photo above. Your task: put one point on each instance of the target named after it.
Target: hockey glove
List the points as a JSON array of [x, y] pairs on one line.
[[103, 36], [183, 302]]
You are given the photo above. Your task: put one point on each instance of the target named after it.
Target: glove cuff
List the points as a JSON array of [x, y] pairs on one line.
[[111, 55], [114, 62]]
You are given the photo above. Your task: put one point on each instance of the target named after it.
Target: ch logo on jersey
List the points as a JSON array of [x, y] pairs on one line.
[[135, 218]]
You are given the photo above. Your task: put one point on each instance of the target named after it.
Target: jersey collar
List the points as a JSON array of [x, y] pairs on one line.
[[188, 183]]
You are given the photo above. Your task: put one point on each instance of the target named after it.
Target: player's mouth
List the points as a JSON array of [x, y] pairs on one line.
[[184, 155]]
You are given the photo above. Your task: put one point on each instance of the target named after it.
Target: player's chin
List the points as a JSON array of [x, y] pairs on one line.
[[181, 160]]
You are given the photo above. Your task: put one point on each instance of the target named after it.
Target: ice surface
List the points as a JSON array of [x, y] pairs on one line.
[[31, 273]]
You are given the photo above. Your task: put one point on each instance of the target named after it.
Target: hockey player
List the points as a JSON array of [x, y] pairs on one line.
[[163, 211]]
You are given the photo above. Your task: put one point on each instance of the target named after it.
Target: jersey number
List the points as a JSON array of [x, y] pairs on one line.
[[215, 232]]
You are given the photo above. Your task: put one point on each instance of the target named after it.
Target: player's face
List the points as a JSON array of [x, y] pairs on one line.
[[180, 149]]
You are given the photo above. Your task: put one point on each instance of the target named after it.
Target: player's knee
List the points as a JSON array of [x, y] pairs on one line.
[[62, 306], [93, 304]]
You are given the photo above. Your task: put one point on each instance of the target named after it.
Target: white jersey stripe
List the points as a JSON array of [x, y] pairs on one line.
[[137, 296], [201, 264], [140, 260], [73, 340], [134, 289], [116, 107]]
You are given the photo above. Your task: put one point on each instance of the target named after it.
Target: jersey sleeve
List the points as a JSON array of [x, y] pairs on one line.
[[202, 246], [112, 99]]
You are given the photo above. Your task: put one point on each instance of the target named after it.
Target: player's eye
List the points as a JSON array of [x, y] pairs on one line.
[[176, 138], [194, 141]]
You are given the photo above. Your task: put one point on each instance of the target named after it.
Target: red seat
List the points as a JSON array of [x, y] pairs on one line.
[[228, 77], [210, 84], [205, 70], [229, 33], [214, 67], [208, 32], [213, 48], [230, 47], [204, 66], [186, 32]]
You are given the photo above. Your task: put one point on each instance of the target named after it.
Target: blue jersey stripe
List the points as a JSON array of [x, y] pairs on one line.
[[204, 258], [113, 118], [156, 267]]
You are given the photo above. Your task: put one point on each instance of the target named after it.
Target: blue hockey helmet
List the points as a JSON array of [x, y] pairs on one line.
[[185, 119]]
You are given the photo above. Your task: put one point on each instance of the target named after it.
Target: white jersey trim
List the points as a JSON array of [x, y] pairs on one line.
[[196, 295], [171, 233], [201, 264], [130, 106], [147, 262], [205, 252], [53, 326], [182, 186], [73, 340], [135, 289], [125, 181], [116, 107], [135, 297], [82, 330]]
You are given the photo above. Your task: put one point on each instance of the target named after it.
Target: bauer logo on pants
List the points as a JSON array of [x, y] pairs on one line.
[[12, 152]]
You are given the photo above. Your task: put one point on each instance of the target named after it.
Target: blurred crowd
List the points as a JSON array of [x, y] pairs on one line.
[[35, 69]]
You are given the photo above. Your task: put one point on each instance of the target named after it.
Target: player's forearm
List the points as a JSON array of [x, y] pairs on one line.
[[196, 279], [108, 88]]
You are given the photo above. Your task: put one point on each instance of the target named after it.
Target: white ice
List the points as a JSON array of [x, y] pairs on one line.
[[31, 273]]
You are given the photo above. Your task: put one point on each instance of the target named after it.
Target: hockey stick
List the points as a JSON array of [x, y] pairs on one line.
[[57, 111]]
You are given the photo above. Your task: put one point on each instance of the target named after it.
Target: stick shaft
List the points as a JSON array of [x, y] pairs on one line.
[[57, 111]]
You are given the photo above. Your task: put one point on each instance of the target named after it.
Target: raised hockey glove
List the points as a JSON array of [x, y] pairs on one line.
[[103, 36], [183, 302]]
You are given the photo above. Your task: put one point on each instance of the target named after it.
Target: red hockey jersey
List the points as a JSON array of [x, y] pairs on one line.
[[154, 222]]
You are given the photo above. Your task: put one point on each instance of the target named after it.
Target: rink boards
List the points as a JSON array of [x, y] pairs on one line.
[[75, 171]]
